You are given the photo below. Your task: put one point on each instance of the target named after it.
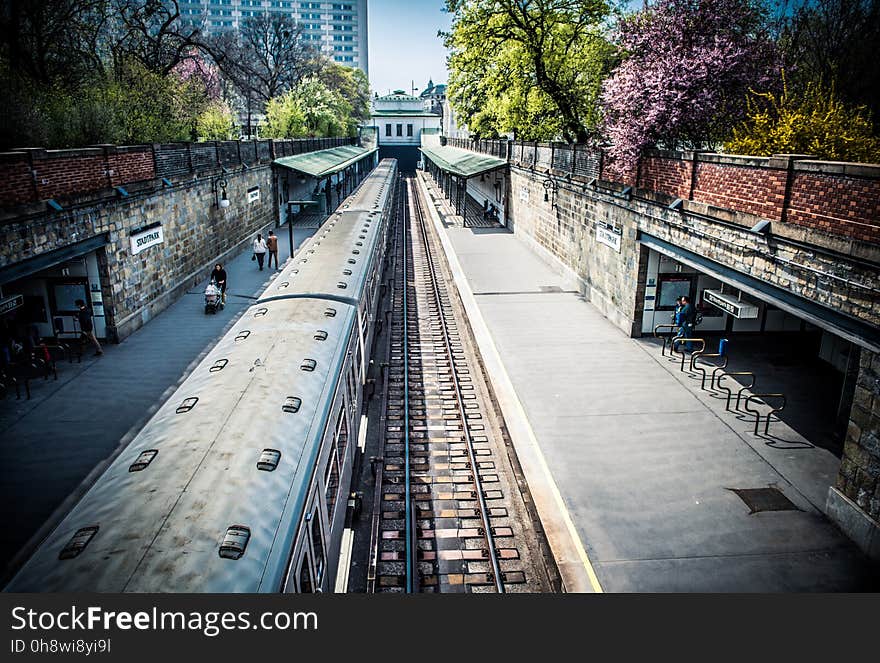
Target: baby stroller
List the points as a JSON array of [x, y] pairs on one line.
[[213, 298]]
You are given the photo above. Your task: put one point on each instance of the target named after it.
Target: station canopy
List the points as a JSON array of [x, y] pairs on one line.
[[324, 163], [462, 163]]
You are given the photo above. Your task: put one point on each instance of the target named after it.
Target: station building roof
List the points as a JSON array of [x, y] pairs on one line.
[[403, 112], [325, 162], [461, 162]]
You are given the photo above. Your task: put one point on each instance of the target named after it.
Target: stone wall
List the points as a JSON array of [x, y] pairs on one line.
[[197, 233]]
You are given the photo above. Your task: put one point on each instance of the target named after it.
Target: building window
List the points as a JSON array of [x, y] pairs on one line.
[[409, 130], [399, 129], [387, 129]]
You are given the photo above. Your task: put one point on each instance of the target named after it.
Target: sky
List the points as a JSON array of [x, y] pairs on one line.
[[403, 43]]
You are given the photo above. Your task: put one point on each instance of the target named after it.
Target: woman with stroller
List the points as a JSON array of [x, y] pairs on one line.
[[218, 276], [260, 249]]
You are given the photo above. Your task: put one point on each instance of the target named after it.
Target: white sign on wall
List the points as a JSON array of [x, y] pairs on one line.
[[524, 194], [608, 237], [253, 194], [145, 239]]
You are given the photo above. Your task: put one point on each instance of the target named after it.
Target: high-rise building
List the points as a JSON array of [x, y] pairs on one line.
[[337, 29]]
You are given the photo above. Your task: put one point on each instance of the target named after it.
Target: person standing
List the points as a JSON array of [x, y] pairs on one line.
[[218, 276], [260, 250], [86, 327], [272, 245]]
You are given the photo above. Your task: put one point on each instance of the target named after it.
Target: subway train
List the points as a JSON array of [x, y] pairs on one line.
[[239, 482]]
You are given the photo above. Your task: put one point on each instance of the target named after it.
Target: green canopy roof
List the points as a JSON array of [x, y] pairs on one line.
[[325, 162], [461, 162]]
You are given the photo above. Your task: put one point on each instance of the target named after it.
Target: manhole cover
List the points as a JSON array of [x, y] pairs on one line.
[[764, 499]]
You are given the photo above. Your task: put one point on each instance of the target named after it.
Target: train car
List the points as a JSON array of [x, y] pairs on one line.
[[237, 483]]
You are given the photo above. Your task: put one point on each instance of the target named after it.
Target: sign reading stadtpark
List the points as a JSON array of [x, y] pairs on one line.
[[608, 237], [11, 303], [146, 238], [743, 310]]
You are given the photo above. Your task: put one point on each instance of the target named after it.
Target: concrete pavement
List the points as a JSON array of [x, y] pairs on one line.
[[70, 428], [644, 462]]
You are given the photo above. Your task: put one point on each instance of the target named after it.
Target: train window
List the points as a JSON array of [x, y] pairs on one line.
[[243, 334], [331, 480], [187, 404], [235, 542], [144, 459], [341, 439], [291, 404], [308, 365], [219, 365], [330, 312], [317, 546], [269, 460], [305, 576], [342, 285], [320, 335], [261, 312], [78, 542]]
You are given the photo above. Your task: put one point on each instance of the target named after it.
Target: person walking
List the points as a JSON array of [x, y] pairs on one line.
[[86, 326], [272, 245], [688, 315], [218, 276], [260, 250]]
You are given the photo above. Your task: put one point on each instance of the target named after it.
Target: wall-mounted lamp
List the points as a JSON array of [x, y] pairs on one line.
[[550, 188], [219, 188]]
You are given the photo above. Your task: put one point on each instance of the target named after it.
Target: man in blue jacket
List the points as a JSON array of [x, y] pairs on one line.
[[687, 316]]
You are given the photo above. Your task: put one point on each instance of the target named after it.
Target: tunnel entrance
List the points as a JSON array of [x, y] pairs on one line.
[[815, 368]]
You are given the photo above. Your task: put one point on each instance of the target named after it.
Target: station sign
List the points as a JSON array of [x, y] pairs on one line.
[[11, 303], [253, 194], [730, 304], [609, 236], [146, 238]]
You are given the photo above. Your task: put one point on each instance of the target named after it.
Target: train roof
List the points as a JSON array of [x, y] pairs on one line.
[[161, 528]]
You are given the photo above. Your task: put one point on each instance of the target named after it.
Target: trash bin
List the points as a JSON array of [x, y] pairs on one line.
[[722, 346]]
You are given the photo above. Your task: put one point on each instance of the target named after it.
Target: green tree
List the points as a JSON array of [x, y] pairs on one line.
[[531, 67], [216, 122], [309, 109], [814, 121], [284, 118]]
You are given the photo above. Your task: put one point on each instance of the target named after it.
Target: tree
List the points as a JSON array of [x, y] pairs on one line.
[[528, 66], [309, 109], [265, 58], [351, 84], [216, 122], [814, 121], [834, 43], [689, 65]]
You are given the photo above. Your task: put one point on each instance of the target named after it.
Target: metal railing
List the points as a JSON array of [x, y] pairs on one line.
[[702, 356], [665, 338], [761, 398], [730, 391], [681, 339]]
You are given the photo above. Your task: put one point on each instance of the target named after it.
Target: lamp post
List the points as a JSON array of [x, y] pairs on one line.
[[549, 188], [218, 186]]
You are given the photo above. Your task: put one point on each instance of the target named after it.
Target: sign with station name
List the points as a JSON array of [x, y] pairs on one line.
[[11, 303], [145, 239], [608, 236], [730, 304], [253, 194]]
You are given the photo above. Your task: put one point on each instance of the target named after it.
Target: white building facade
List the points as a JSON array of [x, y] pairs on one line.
[[400, 120]]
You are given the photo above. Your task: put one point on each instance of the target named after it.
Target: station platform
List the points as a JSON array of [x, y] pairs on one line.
[[55, 444], [632, 467]]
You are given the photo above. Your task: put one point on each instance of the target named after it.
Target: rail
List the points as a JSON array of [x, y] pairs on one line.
[[773, 410], [665, 337], [702, 356], [730, 391], [681, 339], [469, 442]]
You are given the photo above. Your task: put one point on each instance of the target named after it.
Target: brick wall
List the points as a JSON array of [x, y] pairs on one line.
[[841, 199], [33, 175]]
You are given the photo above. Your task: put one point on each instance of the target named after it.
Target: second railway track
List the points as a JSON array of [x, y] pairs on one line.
[[447, 513]]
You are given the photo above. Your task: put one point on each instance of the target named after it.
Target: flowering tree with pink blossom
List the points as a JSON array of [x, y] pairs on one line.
[[688, 68]]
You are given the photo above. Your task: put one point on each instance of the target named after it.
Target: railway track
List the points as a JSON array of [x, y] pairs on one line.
[[443, 516]]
